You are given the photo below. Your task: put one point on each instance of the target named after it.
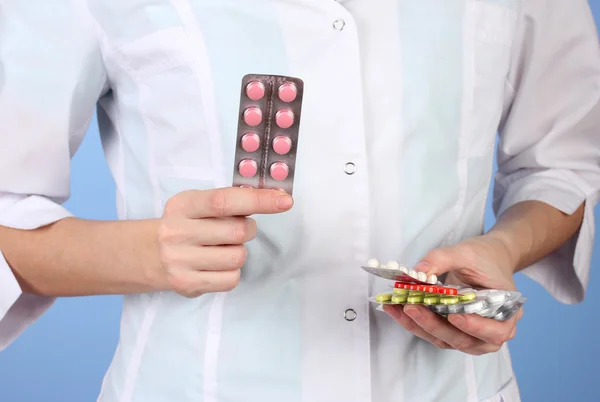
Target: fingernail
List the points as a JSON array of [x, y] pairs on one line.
[[457, 320], [414, 313], [284, 202], [423, 266]]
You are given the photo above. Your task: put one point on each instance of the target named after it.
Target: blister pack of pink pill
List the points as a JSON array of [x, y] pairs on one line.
[[413, 287], [268, 130]]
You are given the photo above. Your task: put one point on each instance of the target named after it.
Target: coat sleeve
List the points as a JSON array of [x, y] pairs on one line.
[[549, 147], [51, 75]]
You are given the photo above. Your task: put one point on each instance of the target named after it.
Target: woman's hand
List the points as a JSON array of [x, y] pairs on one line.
[[202, 236], [483, 261]]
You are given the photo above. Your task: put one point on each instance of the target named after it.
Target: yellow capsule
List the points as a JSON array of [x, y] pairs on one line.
[[429, 300], [383, 297], [449, 300], [466, 297], [403, 292], [416, 299], [399, 299], [416, 293]]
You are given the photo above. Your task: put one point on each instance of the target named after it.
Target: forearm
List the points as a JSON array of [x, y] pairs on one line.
[[75, 257], [531, 230]]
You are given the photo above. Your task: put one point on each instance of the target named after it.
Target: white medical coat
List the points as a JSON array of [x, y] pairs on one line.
[[411, 93]]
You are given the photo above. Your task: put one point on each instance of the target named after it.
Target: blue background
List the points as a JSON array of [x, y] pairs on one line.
[[63, 356]]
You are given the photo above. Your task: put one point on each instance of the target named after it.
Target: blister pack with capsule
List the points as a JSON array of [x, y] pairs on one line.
[[268, 128], [413, 287]]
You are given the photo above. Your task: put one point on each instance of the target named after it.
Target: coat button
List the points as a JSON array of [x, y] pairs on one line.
[[350, 168], [338, 25], [350, 315]]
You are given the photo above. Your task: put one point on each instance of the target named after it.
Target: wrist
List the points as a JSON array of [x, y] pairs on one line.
[[506, 249], [155, 276]]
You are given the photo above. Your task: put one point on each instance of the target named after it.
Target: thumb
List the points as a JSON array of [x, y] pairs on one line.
[[438, 262]]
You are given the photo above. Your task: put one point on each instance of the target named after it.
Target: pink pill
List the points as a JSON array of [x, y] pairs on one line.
[[279, 171], [284, 118], [248, 168], [282, 144], [252, 116], [255, 90], [287, 92], [250, 142]]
